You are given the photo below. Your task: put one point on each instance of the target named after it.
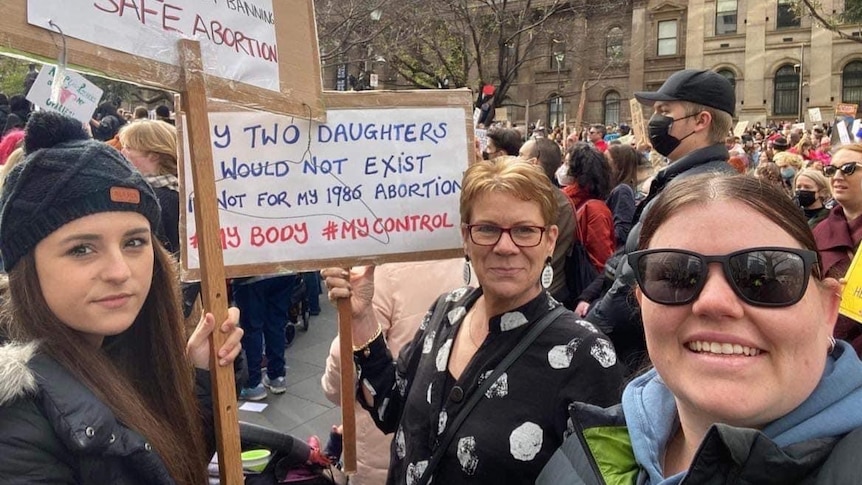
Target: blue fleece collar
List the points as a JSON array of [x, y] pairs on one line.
[[833, 409]]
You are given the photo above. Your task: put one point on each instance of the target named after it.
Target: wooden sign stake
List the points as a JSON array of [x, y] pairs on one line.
[[348, 385], [581, 104], [212, 262]]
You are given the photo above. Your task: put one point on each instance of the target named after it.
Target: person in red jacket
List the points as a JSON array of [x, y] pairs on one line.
[[591, 184]]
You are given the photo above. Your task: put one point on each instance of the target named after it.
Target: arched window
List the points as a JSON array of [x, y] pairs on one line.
[[614, 45], [729, 75], [555, 111], [612, 108], [786, 86], [851, 83]]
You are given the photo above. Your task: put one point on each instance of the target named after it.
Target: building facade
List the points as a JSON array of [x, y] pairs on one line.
[[781, 65]]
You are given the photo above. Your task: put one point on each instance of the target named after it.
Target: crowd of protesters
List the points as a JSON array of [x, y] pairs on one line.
[[703, 343]]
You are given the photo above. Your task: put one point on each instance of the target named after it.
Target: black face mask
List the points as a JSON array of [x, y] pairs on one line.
[[805, 197], [659, 136]]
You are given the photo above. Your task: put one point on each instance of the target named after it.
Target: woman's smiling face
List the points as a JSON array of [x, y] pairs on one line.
[[723, 359]]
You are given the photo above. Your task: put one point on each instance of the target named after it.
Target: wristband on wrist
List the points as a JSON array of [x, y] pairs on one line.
[[364, 348]]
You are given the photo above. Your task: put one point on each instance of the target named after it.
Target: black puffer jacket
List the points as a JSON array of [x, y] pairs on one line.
[[55, 430]]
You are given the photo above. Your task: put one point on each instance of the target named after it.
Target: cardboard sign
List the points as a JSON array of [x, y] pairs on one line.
[[638, 127], [257, 53], [299, 194], [740, 127], [846, 109], [814, 115], [237, 38], [851, 295], [76, 96]]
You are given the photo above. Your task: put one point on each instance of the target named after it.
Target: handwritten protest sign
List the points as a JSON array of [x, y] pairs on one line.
[[77, 97], [851, 296], [815, 115], [368, 182], [250, 48], [638, 128], [239, 36]]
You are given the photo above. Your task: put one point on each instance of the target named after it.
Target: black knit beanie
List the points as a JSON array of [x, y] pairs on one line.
[[64, 176]]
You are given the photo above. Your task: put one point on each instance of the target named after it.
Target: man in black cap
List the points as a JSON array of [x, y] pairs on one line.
[[692, 115]]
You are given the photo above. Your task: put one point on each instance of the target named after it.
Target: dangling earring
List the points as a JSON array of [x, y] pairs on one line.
[[468, 270], [547, 274], [831, 344]]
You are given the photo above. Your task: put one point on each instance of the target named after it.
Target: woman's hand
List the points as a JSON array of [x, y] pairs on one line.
[[582, 308], [358, 286], [198, 348]]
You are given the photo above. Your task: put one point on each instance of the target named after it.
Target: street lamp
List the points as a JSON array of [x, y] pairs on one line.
[[801, 83], [560, 57]]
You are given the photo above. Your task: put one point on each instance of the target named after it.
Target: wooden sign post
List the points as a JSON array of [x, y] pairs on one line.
[[581, 103], [212, 275], [348, 386], [379, 181]]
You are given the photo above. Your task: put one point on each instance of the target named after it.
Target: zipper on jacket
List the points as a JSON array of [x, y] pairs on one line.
[[579, 431]]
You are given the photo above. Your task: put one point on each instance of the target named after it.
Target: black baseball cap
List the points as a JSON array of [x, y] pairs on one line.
[[696, 86]]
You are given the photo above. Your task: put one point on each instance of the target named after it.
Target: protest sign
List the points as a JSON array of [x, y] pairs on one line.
[[482, 137], [814, 115], [76, 96], [740, 127], [851, 295], [257, 53], [846, 109], [843, 134], [638, 127], [367, 184]]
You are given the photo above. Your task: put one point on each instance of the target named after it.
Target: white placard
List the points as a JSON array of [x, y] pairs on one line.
[[814, 115], [482, 138], [77, 96], [237, 36], [843, 135], [367, 182]]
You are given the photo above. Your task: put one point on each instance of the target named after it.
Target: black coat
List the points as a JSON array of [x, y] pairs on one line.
[[55, 430]]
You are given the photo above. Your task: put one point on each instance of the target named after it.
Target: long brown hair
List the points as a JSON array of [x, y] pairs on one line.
[[624, 166], [142, 374]]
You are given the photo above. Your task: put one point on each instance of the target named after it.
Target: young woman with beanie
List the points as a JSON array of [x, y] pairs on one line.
[[98, 383]]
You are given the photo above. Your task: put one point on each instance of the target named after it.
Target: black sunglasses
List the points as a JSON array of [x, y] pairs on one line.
[[765, 277], [846, 169]]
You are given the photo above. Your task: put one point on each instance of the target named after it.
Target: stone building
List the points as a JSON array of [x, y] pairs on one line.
[[780, 64]]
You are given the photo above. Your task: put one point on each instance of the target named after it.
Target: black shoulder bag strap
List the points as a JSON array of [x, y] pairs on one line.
[[507, 361]]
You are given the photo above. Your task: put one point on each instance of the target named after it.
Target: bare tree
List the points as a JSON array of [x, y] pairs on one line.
[[839, 23], [453, 43], [347, 27]]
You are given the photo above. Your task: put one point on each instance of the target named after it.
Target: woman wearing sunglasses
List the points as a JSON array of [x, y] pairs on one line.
[[749, 385], [839, 234], [508, 211]]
